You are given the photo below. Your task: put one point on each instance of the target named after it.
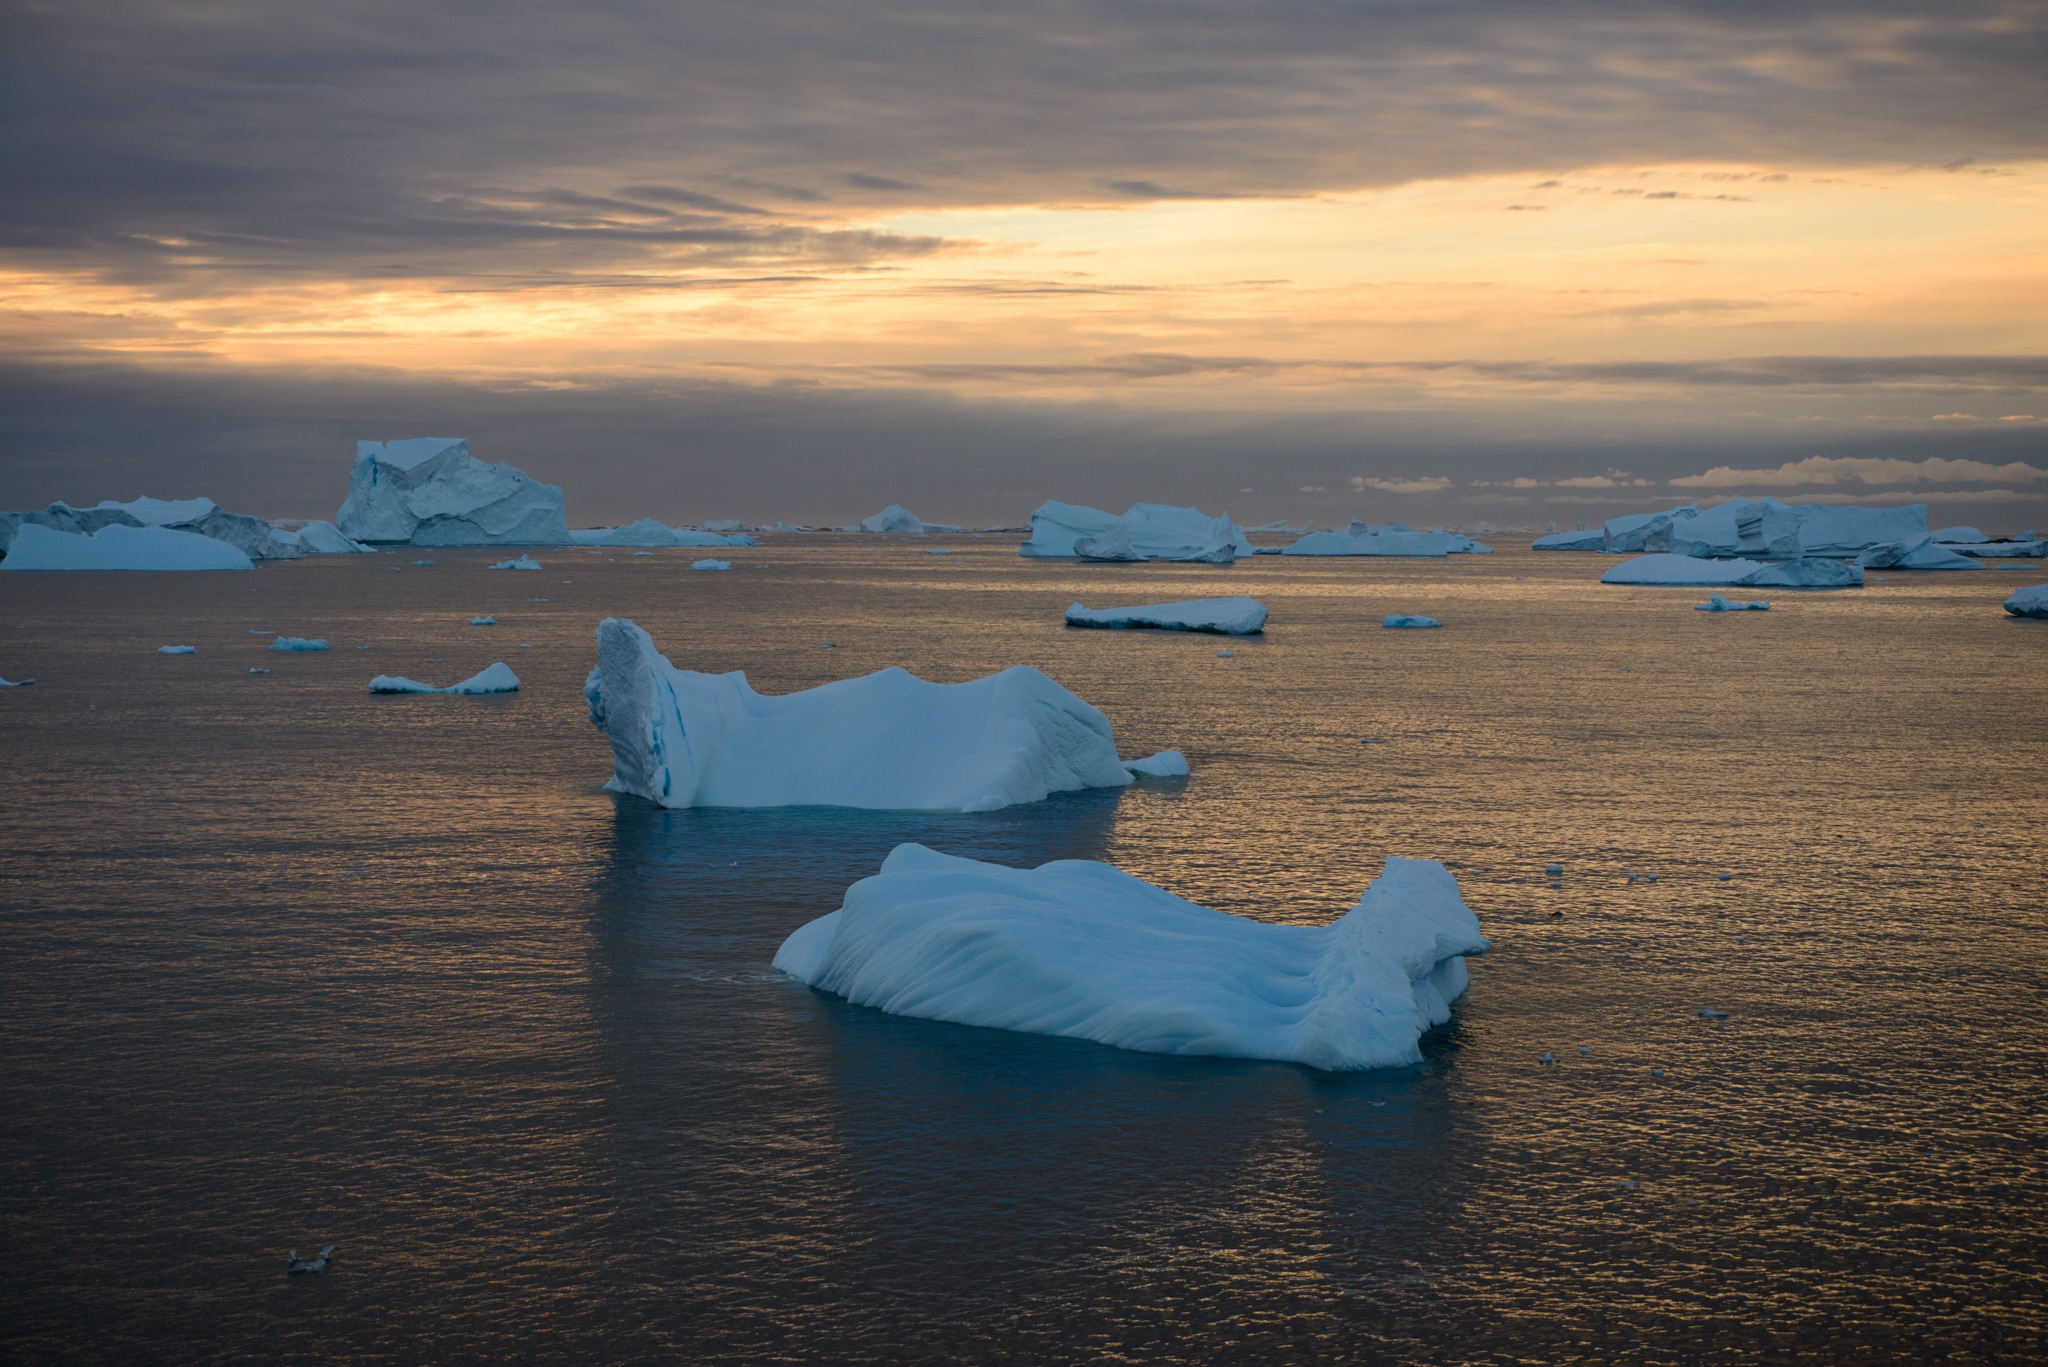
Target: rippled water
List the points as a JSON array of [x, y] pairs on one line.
[[285, 964]]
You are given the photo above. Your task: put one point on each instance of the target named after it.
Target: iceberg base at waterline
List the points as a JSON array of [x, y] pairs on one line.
[[119, 547], [2031, 601], [499, 678], [1581, 540], [886, 740], [1223, 616], [1685, 571], [1082, 950]]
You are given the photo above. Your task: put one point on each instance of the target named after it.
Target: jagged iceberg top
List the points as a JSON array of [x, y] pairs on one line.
[[1224, 616], [499, 678], [1079, 949], [1666, 568], [1155, 531], [430, 491], [885, 740]]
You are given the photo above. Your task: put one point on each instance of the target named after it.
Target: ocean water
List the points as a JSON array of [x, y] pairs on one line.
[[283, 964]]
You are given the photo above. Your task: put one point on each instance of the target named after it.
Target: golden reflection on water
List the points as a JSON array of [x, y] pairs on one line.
[[518, 1047]]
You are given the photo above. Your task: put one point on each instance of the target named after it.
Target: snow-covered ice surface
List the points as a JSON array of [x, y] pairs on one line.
[[524, 562], [1224, 616], [431, 492], [165, 512], [119, 547], [499, 678], [1595, 540], [711, 564], [1145, 531], [1411, 620], [297, 643], [2031, 601], [885, 740], [1716, 603], [1080, 949]]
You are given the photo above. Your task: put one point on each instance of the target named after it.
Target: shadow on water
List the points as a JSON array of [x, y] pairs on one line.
[[925, 1182]]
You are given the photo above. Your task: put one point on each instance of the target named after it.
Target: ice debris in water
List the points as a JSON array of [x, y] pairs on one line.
[[1724, 877], [17, 683], [1716, 603], [711, 564], [499, 678], [1223, 616], [1080, 949], [1711, 1014], [297, 643], [259, 671], [296, 1265], [1165, 764], [484, 621], [885, 740], [939, 550], [2031, 601], [177, 650], [1553, 869], [422, 562], [1546, 1057], [524, 562], [1406, 620], [1226, 654]]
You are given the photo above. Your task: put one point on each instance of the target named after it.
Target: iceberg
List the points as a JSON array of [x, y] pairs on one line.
[[1082, 950], [1960, 534], [1165, 764], [297, 643], [1224, 616], [62, 517], [1571, 541], [524, 562], [177, 650], [2000, 550], [1386, 538], [1716, 603], [646, 532], [899, 520], [1281, 528], [499, 678], [15, 683], [1811, 573], [1402, 620], [162, 512], [1114, 546], [711, 564], [1156, 531], [1645, 531], [1916, 553], [884, 740], [721, 524], [1768, 529], [2031, 601], [430, 491], [1686, 570], [119, 546], [484, 621], [313, 538]]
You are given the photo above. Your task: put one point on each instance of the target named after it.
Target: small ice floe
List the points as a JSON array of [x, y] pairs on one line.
[[1222, 616], [1584, 1050], [526, 645], [828, 645], [16, 683], [1370, 740], [711, 564], [1407, 620], [524, 562], [1725, 877], [259, 671], [2031, 601], [1656, 1072], [499, 678], [422, 562], [1709, 1013], [1546, 1057], [1553, 869], [1226, 654], [539, 600], [177, 650], [253, 632], [1165, 764], [938, 550], [297, 643], [484, 621], [1630, 1183], [1716, 603], [638, 554], [296, 1265]]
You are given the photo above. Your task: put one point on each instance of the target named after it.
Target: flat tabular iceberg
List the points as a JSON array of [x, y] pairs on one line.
[[1716, 603], [1082, 950], [1156, 531], [1686, 570], [1407, 620], [297, 643], [431, 492], [711, 564], [2031, 601], [886, 740], [1224, 616], [120, 547], [1595, 540], [499, 678]]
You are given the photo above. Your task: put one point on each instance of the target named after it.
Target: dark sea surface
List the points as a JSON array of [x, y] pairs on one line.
[[283, 964]]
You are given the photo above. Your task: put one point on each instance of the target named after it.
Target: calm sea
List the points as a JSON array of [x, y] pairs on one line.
[[283, 964]]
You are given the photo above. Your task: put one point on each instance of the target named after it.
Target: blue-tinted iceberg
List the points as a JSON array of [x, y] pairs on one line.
[[499, 678], [1685, 570], [1224, 616], [886, 740], [1165, 764], [1595, 540], [119, 547], [1645, 531], [1385, 538], [430, 491], [1716, 603], [1156, 531], [711, 564], [1767, 529], [1411, 621], [1082, 950], [1959, 534], [1916, 553], [648, 532], [297, 643], [900, 520], [524, 562], [2031, 601]]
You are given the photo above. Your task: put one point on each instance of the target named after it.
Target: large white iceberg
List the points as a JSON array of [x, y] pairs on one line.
[[1082, 950], [253, 536], [1666, 568], [1386, 538], [2031, 601], [119, 547], [885, 740], [1225, 616], [499, 678], [1595, 540], [1157, 531], [1770, 530], [1644, 531], [430, 491], [1916, 553]]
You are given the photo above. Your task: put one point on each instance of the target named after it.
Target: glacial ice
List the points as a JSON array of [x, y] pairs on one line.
[[499, 678], [1165, 764], [1405, 620], [62, 517], [524, 562], [1157, 531], [297, 643], [1281, 528], [1716, 603], [177, 650], [646, 532], [711, 564], [1595, 540], [484, 621], [1644, 531], [2001, 550], [1082, 950], [1386, 538], [1114, 546], [119, 547], [313, 538], [884, 740], [899, 520], [430, 491], [1960, 534], [1815, 572], [1916, 553], [2031, 601], [1768, 529], [718, 525], [1224, 616], [162, 512], [1666, 568], [15, 683]]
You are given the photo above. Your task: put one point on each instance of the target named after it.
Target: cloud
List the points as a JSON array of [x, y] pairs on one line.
[[1433, 484], [1874, 471]]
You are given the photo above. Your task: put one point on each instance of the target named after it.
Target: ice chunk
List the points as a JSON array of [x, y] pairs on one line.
[[1402, 620], [1644, 531], [1812, 573], [1716, 603], [1571, 541], [1959, 534], [900, 520], [297, 643], [484, 621], [2031, 601], [524, 562], [711, 564], [1664, 568], [1224, 616], [1113, 545], [177, 650], [285, 542], [1915, 553], [646, 532], [431, 492], [1083, 950], [16, 683], [885, 740], [1157, 531], [499, 678], [119, 547], [1387, 538], [1165, 764]]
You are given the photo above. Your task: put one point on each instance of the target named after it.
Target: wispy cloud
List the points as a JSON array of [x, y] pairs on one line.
[[1873, 471], [1431, 485]]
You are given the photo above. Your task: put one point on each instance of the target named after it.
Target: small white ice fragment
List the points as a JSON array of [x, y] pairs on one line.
[[485, 621], [422, 562], [1226, 654], [1165, 764], [524, 562], [259, 671], [1405, 620], [177, 650], [711, 564], [297, 643], [1709, 1013], [1546, 1057], [499, 678], [1716, 603]]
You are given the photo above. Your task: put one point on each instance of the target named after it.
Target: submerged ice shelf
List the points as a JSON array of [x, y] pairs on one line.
[[1080, 949]]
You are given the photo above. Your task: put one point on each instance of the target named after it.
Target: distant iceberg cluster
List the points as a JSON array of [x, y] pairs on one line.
[[1145, 531], [1082, 950], [158, 534], [1386, 538], [648, 532]]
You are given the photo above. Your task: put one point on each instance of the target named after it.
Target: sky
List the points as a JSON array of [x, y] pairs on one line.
[[1436, 261]]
